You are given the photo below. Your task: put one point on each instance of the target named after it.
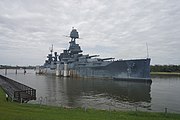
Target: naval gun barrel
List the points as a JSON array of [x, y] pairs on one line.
[[106, 59], [93, 56]]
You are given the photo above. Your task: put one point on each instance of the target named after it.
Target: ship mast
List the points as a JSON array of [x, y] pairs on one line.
[[147, 50], [74, 35], [74, 48], [51, 49]]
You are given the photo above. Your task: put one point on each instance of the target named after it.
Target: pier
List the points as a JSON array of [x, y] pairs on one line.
[[17, 91]]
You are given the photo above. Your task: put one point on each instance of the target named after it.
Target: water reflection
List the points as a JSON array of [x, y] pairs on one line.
[[97, 93], [94, 93], [104, 94]]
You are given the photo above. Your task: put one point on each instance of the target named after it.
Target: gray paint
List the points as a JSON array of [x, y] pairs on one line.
[[91, 66]]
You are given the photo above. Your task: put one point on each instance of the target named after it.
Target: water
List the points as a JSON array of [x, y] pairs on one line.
[[103, 94]]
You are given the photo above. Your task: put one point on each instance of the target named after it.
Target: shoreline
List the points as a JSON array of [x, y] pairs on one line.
[[13, 110], [165, 73]]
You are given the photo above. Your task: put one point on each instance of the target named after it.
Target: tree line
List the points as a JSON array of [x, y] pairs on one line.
[[165, 68], [16, 67], [154, 68]]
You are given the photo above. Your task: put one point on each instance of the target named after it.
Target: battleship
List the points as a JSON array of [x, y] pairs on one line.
[[72, 63]]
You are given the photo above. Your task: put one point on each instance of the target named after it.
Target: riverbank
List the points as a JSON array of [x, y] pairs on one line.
[[166, 73], [16, 111]]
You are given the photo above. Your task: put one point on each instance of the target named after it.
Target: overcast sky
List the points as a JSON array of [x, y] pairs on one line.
[[110, 28]]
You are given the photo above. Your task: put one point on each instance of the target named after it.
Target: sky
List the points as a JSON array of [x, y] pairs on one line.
[[122, 29]]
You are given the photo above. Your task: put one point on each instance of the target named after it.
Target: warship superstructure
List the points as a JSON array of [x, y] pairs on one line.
[[71, 62]]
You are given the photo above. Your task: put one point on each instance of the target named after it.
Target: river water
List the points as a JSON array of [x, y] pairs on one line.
[[164, 92]]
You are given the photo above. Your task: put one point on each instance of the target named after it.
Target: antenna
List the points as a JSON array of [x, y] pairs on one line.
[[147, 50], [51, 49]]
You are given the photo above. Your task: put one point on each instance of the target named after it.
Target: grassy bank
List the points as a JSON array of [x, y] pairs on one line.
[[16, 111], [166, 73]]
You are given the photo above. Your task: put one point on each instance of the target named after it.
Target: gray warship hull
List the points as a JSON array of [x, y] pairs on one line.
[[131, 69], [74, 64]]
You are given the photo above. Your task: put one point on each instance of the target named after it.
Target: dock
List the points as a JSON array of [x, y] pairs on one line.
[[17, 91]]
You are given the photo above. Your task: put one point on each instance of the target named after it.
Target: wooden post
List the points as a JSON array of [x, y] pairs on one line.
[[21, 100], [165, 111], [16, 70], [85, 107], [12, 98], [45, 100], [5, 71], [40, 101], [24, 71]]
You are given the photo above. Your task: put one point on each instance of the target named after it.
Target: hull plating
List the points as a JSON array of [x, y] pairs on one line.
[[118, 69], [138, 69]]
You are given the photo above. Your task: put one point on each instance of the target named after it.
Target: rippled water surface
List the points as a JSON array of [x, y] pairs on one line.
[[164, 92]]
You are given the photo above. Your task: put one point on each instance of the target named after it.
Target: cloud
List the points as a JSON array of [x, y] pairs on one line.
[[118, 28]]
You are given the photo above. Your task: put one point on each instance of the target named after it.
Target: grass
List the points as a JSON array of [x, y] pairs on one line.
[[17, 111]]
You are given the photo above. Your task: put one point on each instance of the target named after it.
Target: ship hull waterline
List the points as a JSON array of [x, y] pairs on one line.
[[137, 70]]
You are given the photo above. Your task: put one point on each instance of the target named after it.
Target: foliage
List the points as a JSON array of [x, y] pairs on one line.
[[165, 68]]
